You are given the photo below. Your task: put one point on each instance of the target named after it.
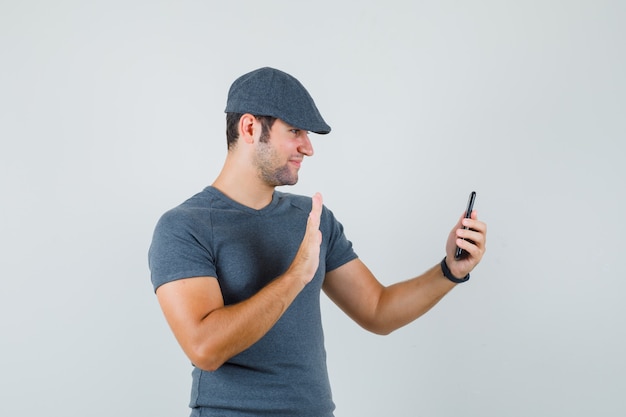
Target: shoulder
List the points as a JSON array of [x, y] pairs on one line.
[[298, 201], [303, 204], [188, 213]]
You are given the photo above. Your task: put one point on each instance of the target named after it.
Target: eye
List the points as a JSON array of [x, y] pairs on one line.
[[298, 132]]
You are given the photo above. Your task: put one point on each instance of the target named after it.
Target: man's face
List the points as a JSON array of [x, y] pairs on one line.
[[279, 158]]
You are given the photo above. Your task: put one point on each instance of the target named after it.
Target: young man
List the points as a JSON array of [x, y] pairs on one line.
[[238, 267]]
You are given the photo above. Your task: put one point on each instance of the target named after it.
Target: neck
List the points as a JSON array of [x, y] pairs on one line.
[[240, 183]]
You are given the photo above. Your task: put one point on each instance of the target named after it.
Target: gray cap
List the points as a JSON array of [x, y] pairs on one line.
[[271, 92]]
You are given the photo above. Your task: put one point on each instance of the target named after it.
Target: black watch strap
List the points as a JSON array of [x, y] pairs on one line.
[[448, 274]]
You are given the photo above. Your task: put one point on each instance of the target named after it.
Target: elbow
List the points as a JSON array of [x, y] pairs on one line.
[[383, 332], [207, 365], [205, 358], [381, 329]]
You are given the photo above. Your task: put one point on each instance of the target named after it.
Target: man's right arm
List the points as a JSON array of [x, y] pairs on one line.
[[209, 332]]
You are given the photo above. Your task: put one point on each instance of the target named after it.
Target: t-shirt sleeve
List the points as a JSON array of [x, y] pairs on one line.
[[178, 251], [340, 249]]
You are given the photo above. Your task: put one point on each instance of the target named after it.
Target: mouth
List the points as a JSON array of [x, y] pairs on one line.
[[296, 162]]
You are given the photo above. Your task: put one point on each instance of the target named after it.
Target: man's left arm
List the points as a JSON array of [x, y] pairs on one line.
[[381, 309]]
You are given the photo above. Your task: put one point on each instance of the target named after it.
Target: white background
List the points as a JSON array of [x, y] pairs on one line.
[[111, 112]]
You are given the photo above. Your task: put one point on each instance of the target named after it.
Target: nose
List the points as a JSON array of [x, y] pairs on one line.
[[305, 147]]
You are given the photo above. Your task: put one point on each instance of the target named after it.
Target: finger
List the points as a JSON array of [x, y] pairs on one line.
[[471, 226], [473, 251], [472, 240], [473, 237], [463, 218], [313, 234], [316, 208], [474, 224], [317, 201]]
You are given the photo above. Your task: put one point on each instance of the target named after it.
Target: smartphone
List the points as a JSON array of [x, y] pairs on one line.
[[468, 212]]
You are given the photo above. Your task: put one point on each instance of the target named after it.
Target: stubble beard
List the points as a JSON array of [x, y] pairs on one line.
[[266, 162]]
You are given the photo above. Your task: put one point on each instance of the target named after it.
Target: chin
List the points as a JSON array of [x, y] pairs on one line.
[[292, 182]]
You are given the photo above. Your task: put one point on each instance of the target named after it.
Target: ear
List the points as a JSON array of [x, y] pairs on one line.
[[248, 124]]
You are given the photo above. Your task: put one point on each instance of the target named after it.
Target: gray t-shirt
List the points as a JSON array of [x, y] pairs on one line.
[[284, 373]]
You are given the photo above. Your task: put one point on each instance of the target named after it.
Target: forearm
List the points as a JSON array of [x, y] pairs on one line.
[[402, 303], [381, 309], [229, 330]]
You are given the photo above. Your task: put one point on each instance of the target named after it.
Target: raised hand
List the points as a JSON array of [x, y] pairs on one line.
[[307, 258], [472, 239]]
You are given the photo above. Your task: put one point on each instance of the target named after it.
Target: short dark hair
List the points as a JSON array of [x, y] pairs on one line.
[[232, 127]]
